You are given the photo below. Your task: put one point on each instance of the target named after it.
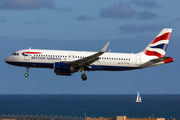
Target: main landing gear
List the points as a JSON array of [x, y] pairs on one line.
[[26, 74], [83, 76]]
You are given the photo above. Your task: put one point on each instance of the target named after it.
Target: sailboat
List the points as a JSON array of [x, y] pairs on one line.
[[138, 99]]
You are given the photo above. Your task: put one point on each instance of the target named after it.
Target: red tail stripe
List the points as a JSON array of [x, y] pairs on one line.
[[153, 53], [165, 36]]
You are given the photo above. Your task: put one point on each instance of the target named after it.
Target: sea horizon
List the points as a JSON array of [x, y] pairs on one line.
[[94, 105]]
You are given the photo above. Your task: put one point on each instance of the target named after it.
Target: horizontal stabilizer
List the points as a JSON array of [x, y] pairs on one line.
[[160, 59]]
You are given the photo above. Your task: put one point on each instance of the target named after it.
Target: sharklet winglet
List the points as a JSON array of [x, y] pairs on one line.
[[105, 47]]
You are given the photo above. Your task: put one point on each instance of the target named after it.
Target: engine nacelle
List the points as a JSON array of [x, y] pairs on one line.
[[61, 68]]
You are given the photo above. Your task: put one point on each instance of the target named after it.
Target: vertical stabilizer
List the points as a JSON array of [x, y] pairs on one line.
[[158, 46]]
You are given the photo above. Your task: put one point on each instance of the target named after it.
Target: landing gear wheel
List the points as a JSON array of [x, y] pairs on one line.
[[84, 77], [26, 75]]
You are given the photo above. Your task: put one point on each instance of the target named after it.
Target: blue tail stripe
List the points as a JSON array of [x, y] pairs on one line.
[[161, 46]]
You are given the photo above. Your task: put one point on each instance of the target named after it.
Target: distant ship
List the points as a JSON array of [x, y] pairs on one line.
[[138, 99]]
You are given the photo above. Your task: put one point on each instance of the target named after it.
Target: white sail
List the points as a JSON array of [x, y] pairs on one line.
[[138, 99]]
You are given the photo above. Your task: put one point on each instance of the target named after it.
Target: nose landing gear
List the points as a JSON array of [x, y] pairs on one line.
[[26, 74]]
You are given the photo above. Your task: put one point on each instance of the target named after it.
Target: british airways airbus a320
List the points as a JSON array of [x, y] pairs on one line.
[[68, 62]]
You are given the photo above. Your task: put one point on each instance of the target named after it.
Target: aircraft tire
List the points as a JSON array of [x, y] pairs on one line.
[[26, 75], [84, 77]]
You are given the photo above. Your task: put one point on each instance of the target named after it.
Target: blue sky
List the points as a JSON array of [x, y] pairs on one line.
[[130, 25]]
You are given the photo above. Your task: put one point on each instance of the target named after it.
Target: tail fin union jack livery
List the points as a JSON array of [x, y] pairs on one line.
[[68, 62]]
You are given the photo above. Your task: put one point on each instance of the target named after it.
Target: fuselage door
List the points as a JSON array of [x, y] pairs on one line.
[[27, 55], [138, 60]]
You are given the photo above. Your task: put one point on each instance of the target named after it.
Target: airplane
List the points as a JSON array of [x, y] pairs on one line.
[[68, 62]]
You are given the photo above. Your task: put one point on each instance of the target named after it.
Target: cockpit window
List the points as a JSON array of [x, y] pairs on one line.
[[16, 54]]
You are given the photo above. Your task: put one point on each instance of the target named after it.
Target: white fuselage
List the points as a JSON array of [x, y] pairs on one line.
[[109, 61]]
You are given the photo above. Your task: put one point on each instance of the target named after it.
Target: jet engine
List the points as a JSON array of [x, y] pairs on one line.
[[61, 68]]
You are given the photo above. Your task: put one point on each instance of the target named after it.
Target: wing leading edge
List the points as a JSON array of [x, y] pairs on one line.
[[85, 62]]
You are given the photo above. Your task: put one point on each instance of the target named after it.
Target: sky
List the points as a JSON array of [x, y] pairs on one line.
[[87, 25]]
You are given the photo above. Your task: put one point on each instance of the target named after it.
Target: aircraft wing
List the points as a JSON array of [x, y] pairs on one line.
[[90, 59]]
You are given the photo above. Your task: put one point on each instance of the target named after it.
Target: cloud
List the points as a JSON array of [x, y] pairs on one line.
[[176, 20], [83, 18], [37, 21], [120, 11], [65, 9], [3, 37], [26, 4], [3, 20], [40, 21], [145, 3], [27, 23], [173, 23], [146, 15], [133, 28]]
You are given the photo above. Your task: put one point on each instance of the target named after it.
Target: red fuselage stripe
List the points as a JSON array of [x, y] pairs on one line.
[[32, 52]]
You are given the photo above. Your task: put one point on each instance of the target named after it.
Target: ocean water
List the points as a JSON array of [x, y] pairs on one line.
[[166, 106]]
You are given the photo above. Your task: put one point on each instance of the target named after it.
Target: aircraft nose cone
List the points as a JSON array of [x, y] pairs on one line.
[[7, 59]]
